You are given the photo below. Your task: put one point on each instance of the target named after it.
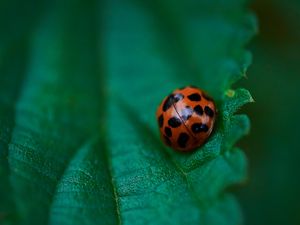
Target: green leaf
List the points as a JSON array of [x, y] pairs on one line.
[[79, 140]]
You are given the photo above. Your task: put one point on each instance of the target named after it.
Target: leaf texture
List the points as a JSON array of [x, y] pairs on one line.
[[79, 142]]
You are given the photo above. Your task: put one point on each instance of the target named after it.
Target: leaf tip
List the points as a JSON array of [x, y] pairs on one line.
[[230, 93]]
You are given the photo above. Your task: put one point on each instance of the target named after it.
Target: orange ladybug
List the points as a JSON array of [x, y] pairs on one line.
[[186, 118]]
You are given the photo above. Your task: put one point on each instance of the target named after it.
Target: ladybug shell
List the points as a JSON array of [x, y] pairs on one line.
[[186, 118]]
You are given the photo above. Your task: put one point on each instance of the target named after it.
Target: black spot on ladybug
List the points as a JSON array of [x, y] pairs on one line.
[[198, 109], [204, 95], [168, 102], [172, 98], [199, 127], [182, 140], [167, 140], [194, 97], [161, 120], [174, 122], [186, 113], [208, 111], [168, 131]]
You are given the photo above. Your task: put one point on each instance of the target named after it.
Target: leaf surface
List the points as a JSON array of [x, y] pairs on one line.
[[79, 140]]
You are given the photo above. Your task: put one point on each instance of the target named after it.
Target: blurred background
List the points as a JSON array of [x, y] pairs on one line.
[[272, 193]]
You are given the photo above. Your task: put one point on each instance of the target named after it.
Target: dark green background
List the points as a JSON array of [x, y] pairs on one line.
[[272, 193]]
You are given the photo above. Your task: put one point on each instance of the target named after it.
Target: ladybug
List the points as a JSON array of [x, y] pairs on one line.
[[186, 118]]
